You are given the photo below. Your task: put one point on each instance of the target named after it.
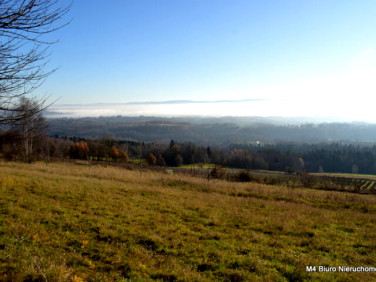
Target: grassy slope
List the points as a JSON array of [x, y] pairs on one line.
[[64, 222]]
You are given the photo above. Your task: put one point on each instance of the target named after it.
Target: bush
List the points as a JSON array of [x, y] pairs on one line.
[[152, 160], [242, 176]]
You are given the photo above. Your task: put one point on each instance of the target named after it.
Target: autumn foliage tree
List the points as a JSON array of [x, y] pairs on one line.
[[123, 156], [114, 153], [151, 159], [79, 150], [118, 155]]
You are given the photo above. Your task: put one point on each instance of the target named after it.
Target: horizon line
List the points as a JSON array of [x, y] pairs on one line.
[[167, 102]]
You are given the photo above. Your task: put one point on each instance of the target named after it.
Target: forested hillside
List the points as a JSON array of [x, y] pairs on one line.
[[210, 131], [335, 147]]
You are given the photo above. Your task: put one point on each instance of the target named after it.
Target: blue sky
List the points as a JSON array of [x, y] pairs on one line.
[[300, 54]]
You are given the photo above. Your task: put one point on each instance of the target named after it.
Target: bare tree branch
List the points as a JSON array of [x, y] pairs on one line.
[[23, 50]]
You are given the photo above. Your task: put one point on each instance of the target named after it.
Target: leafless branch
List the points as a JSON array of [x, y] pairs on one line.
[[23, 50]]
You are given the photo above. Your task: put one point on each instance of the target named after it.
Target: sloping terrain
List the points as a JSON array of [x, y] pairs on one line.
[[70, 222]]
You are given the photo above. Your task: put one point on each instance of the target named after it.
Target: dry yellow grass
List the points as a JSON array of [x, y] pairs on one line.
[[72, 222]]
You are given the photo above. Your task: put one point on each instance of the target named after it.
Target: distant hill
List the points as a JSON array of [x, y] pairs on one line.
[[212, 131]]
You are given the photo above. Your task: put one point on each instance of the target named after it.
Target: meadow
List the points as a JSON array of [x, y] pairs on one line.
[[78, 222]]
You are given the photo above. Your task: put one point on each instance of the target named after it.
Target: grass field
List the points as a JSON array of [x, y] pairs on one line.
[[198, 166], [67, 222]]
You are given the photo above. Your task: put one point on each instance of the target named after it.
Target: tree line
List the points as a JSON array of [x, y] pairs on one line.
[[31, 143]]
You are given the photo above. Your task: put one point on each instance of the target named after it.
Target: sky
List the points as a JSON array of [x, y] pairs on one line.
[[297, 58]]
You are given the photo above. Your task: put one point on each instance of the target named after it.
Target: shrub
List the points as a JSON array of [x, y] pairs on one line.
[[242, 176], [151, 159]]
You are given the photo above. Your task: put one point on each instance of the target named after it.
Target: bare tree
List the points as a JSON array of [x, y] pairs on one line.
[[24, 25], [30, 125]]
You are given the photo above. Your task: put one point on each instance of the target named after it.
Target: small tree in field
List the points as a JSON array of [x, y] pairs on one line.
[[118, 155], [161, 161], [123, 156], [29, 125], [151, 159], [114, 153]]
